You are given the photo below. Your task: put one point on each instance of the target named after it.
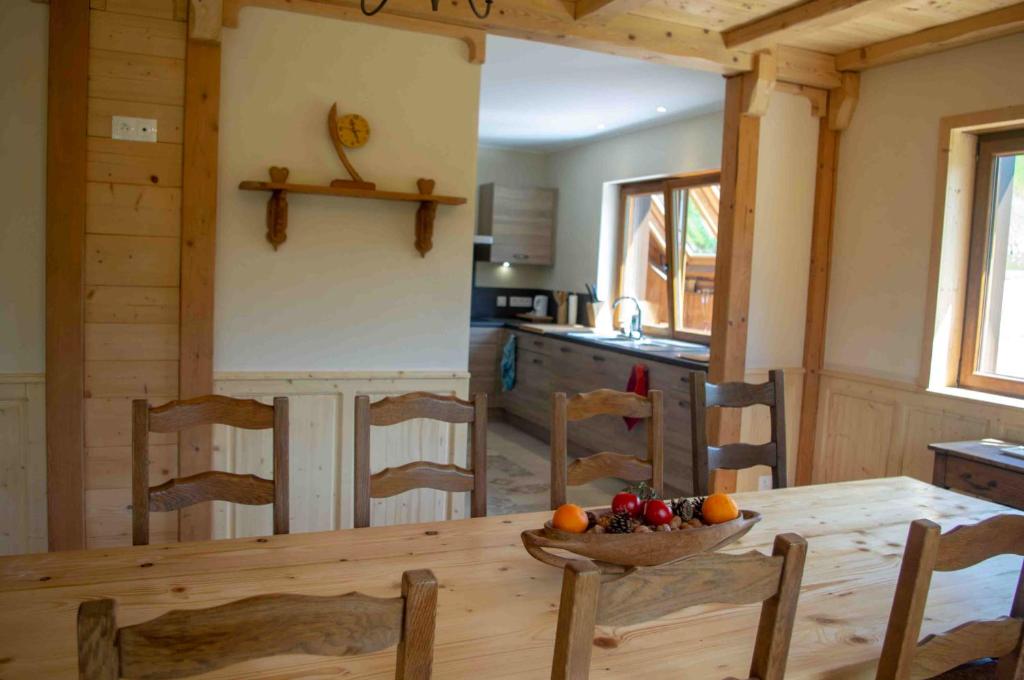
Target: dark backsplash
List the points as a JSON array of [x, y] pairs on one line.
[[485, 302]]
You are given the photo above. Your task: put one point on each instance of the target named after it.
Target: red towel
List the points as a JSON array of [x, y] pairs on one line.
[[637, 384]]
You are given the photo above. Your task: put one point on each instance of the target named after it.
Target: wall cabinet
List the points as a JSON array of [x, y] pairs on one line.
[[545, 364], [521, 221]]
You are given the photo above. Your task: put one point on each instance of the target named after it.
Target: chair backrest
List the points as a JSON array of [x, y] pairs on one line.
[[705, 395], [929, 550], [183, 643], [182, 492], [420, 474], [606, 463], [646, 593]]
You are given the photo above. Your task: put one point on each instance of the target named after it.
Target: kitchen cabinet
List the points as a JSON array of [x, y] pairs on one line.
[[521, 222], [547, 364], [485, 344]]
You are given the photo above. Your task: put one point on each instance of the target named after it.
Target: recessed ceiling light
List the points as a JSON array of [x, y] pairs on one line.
[[661, 109], [601, 126]]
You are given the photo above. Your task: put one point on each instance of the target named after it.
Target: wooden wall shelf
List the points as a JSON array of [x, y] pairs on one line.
[[277, 206]]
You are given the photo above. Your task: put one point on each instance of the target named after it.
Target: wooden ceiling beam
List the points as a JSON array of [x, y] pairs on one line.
[[997, 23], [816, 14], [602, 10]]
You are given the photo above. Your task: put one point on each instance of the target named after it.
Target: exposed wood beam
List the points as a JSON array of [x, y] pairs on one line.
[[758, 87], [550, 21], [198, 241], [474, 39], [816, 96], [740, 140], [66, 133], [601, 10], [806, 67], [205, 18], [974, 29], [817, 297], [812, 13], [842, 102]]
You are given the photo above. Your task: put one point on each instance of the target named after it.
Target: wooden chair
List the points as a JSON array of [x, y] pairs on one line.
[[183, 643], [646, 593], [420, 474], [182, 492], [606, 464], [704, 395], [928, 550]]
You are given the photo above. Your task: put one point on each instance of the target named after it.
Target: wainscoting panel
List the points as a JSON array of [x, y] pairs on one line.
[[22, 464], [868, 427], [321, 464]]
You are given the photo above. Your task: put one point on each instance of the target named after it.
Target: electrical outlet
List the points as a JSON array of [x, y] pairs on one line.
[[133, 129], [502, 301], [521, 301]]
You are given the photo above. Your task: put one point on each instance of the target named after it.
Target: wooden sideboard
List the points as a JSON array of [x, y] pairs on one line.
[[980, 468]]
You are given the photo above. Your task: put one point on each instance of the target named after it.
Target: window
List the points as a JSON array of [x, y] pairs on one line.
[[992, 350], [667, 244]]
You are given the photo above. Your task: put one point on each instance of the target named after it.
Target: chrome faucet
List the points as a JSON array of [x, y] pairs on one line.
[[636, 326]]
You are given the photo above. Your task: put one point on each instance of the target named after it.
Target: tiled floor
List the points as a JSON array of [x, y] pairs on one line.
[[519, 474]]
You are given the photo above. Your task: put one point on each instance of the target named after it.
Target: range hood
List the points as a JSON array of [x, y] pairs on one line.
[[482, 247]]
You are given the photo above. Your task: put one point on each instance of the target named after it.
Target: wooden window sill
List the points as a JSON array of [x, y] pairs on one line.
[[983, 397]]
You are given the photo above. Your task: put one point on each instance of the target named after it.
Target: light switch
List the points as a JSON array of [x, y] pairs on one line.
[[502, 301], [133, 129]]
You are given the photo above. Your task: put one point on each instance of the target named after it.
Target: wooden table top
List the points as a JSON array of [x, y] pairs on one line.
[[988, 451], [497, 606]]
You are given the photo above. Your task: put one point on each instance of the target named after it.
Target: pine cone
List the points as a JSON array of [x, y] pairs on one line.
[[683, 509], [698, 506], [621, 523]]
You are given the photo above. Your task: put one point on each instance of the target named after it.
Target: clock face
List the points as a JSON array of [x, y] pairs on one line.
[[353, 130]]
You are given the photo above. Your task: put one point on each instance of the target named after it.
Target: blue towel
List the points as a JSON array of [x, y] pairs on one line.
[[508, 364]]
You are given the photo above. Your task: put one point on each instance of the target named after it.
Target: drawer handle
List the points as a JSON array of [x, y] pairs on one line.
[[538, 343], [597, 358], [537, 361], [564, 349], [684, 404], [520, 256]]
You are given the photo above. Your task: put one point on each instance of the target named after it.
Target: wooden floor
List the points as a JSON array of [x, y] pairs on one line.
[[519, 475]]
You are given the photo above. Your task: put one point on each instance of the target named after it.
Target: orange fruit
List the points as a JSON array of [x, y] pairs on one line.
[[718, 508], [571, 518]]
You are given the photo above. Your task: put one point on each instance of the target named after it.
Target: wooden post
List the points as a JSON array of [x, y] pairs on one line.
[[735, 251], [198, 240], [66, 134], [817, 294]]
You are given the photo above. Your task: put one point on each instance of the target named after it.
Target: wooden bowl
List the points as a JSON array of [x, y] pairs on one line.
[[636, 550]]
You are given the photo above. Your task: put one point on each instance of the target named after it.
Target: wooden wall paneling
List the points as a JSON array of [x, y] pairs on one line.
[[130, 378], [735, 251], [117, 260], [131, 342], [198, 238], [22, 464], [136, 77], [67, 124], [815, 325], [137, 34], [131, 304], [161, 9], [857, 437], [115, 160], [133, 210]]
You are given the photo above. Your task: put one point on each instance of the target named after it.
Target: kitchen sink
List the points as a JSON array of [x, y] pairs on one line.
[[677, 349]]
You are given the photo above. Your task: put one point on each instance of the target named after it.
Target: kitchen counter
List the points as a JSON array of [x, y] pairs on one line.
[[661, 354]]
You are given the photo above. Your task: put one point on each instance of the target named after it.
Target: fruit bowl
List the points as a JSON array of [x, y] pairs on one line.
[[636, 549]]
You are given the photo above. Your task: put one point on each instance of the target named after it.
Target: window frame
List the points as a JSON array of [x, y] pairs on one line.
[[989, 147], [666, 185]]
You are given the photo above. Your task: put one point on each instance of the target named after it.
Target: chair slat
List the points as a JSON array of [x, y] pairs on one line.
[[739, 456], [937, 654], [647, 593], [420, 475], [209, 410], [189, 642], [740, 395], [606, 402], [608, 464], [394, 410], [965, 546], [182, 492], [97, 641]]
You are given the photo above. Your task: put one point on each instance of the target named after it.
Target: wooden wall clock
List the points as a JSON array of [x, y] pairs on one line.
[[350, 131]]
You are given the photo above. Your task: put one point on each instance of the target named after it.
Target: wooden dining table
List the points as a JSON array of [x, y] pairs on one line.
[[497, 606]]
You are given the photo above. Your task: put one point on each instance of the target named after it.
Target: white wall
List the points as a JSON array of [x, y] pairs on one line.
[[885, 199], [787, 163], [23, 62], [347, 291], [513, 168]]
